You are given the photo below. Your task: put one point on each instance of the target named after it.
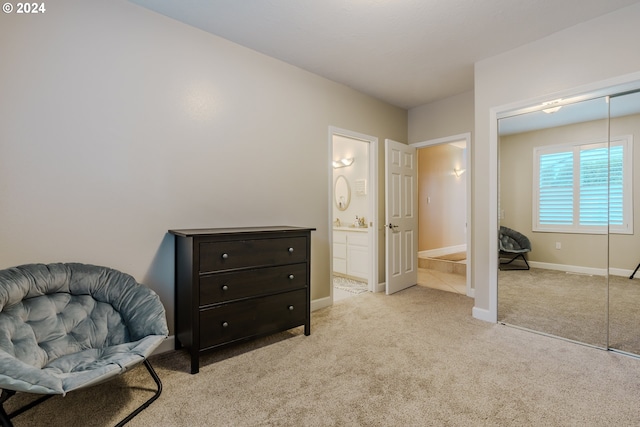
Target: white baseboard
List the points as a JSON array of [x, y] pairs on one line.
[[431, 253], [582, 270], [483, 314], [381, 287], [569, 268], [319, 303]]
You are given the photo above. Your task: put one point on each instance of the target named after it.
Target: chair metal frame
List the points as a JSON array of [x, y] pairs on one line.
[[5, 418], [513, 259]]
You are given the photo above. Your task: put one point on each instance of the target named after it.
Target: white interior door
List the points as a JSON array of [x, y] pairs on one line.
[[401, 216]]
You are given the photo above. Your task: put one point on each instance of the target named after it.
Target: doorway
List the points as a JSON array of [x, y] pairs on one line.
[[443, 210], [353, 207]]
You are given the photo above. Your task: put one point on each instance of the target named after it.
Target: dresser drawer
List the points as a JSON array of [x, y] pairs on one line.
[[244, 319], [221, 287], [228, 322], [283, 311], [224, 255]]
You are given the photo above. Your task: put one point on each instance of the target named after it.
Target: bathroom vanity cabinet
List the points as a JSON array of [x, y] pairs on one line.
[[236, 284], [351, 252]]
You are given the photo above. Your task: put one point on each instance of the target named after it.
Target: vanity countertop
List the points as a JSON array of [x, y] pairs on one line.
[[351, 228]]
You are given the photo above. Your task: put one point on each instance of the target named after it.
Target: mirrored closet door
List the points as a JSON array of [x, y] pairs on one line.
[[553, 191], [624, 239], [567, 206]]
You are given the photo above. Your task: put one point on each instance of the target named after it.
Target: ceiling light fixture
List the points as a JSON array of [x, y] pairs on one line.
[[552, 106], [341, 163]]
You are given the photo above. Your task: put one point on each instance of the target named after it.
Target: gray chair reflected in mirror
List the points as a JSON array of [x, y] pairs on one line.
[[513, 245], [64, 327]]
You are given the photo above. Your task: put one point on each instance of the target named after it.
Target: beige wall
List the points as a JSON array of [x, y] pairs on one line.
[[442, 197], [117, 124], [443, 118], [578, 58]]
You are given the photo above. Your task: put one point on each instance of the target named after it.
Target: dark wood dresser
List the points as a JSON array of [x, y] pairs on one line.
[[234, 284]]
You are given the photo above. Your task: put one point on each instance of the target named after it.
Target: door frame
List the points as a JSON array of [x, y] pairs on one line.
[[372, 192], [447, 140]]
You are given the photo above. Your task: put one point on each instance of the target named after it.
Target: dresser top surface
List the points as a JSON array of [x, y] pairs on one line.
[[236, 230]]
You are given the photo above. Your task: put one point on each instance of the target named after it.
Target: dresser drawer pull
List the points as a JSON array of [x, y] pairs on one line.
[[290, 250], [290, 308], [225, 288], [225, 324], [225, 256], [291, 276]]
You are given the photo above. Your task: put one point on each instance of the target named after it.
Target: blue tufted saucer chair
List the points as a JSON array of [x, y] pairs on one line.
[[68, 326], [513, 244]]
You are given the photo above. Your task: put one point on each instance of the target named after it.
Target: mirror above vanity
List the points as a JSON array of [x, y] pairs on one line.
[[342, 193]]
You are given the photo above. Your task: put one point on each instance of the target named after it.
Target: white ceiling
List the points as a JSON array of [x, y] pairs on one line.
[[405, 52]]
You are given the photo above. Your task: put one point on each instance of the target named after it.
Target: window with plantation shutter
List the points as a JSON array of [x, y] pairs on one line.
[[584, 188], [556, 188], [618, 189], [593, 189]]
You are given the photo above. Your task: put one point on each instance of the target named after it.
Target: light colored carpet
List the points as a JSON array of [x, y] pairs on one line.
[[572, 306], [553, 302], [415, 358]]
